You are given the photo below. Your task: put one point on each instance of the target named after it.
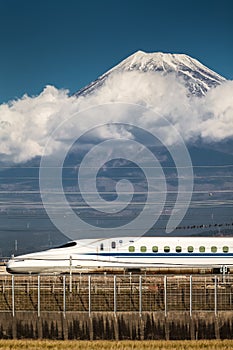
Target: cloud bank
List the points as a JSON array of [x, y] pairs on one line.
[[27, 123]]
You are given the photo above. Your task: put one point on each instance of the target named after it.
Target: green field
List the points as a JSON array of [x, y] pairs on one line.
[[119, 345]]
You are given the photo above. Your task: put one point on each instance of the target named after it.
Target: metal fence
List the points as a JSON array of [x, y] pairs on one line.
[[119, 293]]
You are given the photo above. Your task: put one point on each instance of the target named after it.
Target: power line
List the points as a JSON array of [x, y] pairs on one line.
[[116, 167]]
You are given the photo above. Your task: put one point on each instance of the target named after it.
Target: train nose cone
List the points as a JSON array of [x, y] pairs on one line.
[[10, 266], [9, 270]]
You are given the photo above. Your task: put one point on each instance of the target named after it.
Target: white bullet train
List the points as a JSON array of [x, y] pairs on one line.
[[128, 253]]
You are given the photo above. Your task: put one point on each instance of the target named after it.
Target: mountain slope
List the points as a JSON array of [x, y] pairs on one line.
[[198, 78]]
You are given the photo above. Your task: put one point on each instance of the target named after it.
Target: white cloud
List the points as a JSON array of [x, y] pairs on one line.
[[26, 124], [219, 107]]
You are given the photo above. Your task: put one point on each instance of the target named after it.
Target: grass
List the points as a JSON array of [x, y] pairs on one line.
[[115, 345]]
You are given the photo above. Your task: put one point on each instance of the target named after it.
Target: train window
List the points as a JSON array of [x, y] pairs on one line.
[[143, 249], [202, 249], [225, 249], [155, 249], [190, 249], [113, 245], [131, 249], [178, 249], [166, 249], [214, 249], [101, 246]]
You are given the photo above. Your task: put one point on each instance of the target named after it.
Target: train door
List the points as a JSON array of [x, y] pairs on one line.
[[104, 249], [101, 248]]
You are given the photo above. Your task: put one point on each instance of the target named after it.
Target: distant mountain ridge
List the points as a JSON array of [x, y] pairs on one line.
[[197, 77]]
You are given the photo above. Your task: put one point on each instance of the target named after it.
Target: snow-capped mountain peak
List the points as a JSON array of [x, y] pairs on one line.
[[197, 77]]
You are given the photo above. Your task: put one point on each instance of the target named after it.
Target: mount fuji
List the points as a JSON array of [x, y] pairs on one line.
[[197, 77], [210, 159]]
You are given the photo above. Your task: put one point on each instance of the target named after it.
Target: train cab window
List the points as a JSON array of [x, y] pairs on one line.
[[113, 245], [213, 249], [155, 249], [101, 246], [166, 249], [225, 249], [67, 245], [202, 249], [178, 249], [143, 249], [131, 249], [190, 249]]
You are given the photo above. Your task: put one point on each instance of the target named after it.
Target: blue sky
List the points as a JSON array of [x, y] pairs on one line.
[[69, 43]]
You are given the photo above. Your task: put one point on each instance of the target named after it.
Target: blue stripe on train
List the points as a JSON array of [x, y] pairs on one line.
[[166, 255]]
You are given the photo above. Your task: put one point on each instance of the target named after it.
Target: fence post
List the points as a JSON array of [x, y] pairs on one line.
[[64, 296], [38, 296], [215, 296], [140, 295], [165, 296], [71, 274], [190, 295], [13, 294], [89, 295], [115, 294]]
